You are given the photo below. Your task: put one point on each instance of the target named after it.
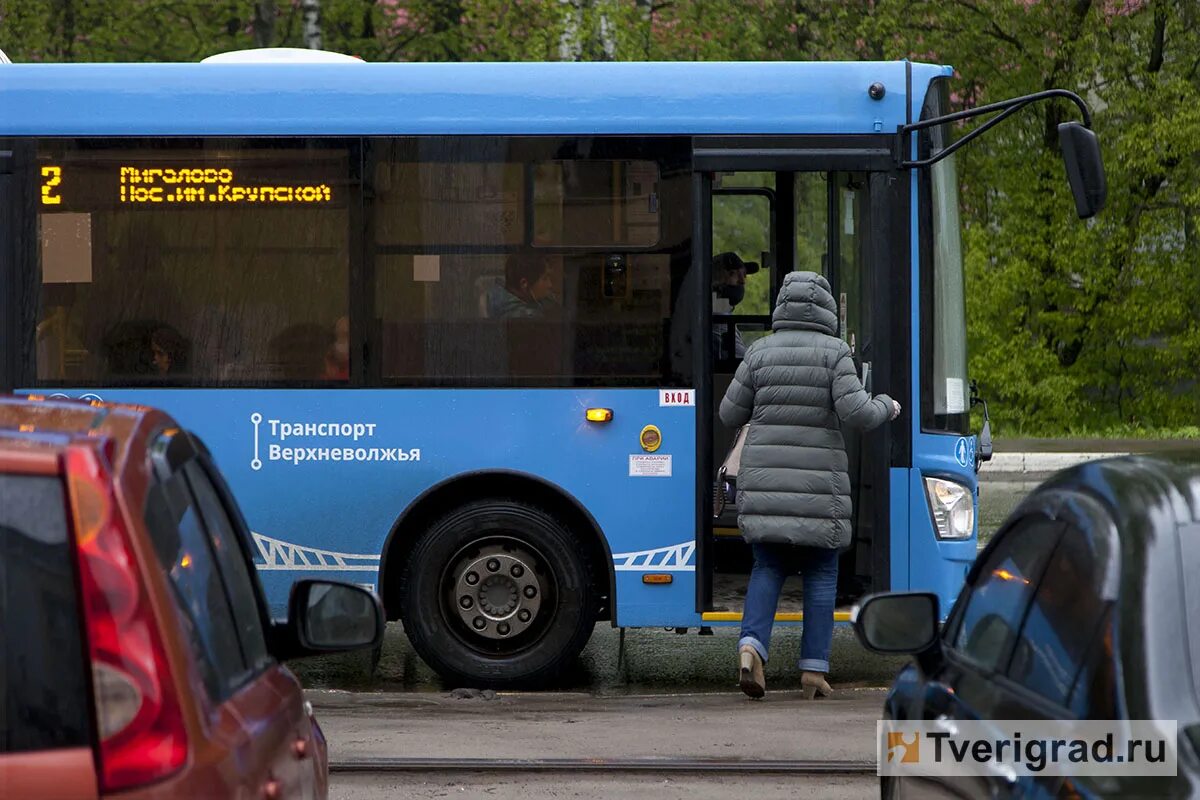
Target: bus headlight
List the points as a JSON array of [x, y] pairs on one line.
[[952, 507]]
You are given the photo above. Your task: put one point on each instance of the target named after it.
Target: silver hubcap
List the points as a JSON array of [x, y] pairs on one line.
[[497, 593]]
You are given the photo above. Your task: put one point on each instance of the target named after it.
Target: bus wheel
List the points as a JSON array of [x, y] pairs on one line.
[[497, 594]]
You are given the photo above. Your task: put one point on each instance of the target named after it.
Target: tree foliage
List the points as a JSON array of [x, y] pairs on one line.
[[1073, 327]]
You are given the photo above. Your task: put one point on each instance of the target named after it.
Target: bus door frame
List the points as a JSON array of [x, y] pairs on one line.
[[20, 270], [890, 207]]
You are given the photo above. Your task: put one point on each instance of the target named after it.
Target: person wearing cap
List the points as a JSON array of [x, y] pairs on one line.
[[729, 288]]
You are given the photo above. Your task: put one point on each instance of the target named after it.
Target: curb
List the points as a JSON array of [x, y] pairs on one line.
[[1025, 463]]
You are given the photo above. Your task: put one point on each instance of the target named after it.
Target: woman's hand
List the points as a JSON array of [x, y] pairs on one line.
[[895, 409]]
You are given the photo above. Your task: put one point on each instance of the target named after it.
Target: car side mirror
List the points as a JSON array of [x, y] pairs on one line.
[[1085, 168], [328, 617], [985, 440], [984, 451], [897, 624]]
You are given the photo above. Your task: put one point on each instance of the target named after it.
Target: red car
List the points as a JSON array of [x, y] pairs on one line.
[[136, 654]]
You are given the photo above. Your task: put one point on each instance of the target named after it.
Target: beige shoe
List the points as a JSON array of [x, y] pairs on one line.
[[750, 675], [813, 685]]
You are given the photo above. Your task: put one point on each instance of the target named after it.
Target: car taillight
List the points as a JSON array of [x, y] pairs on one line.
[[142, 734]]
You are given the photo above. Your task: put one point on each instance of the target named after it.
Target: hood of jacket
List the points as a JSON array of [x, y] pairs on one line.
[[805, 303]]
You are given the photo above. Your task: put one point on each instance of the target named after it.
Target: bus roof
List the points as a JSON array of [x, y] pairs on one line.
[[471, 98]]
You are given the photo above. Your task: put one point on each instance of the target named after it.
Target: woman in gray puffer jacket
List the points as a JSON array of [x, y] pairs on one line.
[[796, 388]]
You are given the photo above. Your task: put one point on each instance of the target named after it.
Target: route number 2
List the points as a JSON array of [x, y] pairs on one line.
[[51, 178]]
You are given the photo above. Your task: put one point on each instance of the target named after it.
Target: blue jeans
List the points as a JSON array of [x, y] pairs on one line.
[[818, 566]]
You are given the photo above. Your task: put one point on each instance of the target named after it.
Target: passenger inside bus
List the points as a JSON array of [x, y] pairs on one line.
[[168, 351], [337, 359], [729, 273], [729, 288], [145, 348], [527, 291]]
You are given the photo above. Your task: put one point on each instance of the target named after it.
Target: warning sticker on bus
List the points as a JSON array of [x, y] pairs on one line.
[[644, 466]]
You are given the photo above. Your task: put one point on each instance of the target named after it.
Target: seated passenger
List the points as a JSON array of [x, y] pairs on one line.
[[337, 359], [144, 348], [527, 291], [168, 351]]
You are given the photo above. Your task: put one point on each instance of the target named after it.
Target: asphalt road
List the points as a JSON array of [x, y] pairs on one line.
[[505, 787], [547, 725]]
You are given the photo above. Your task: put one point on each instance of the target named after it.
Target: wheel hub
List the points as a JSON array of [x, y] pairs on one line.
[[497, 592]]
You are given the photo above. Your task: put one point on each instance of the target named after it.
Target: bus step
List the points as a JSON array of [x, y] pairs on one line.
[[841, 615]]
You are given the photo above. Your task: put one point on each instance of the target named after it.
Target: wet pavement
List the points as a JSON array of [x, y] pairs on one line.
[[536, 787], [551, 725], [998, 497], [723, 726]]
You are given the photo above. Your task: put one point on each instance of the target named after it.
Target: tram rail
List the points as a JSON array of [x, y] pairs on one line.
[[658, 766]]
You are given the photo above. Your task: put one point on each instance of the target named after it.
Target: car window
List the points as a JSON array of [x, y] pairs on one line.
[[1061, 621], [43, 678], [1002, 589], [236, 570], [1095, 693], [1189, 547], [183, 549]]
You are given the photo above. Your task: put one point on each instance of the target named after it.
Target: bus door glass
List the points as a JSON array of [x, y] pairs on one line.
[[847, 268], [743, 287]]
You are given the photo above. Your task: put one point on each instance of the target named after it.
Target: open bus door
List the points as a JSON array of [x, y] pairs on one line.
[[841, 213]]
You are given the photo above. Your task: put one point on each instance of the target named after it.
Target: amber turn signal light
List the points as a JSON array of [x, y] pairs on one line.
[[657, 577], [599, 415]]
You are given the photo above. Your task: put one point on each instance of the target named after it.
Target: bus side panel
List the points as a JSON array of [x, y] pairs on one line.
[[323, 475], [901, 525]]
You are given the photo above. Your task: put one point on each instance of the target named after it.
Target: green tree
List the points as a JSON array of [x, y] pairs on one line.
[[1077, 326]]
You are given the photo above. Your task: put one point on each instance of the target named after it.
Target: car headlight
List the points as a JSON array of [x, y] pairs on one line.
[[952, 507]]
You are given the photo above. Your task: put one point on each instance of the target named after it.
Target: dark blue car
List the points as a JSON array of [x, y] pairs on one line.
[[1084, 606]]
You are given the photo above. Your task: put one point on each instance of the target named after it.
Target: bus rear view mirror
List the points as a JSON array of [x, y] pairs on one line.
[[1085, 168]]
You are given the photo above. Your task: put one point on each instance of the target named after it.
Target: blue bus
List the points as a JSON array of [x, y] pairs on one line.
[[450, 330]]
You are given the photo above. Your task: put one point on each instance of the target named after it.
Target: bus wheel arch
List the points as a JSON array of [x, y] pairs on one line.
[[460, 490]]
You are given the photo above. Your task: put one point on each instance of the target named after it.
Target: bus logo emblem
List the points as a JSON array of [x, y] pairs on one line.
[[256, 420]]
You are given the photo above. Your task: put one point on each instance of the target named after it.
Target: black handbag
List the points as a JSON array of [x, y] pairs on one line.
[[725, 492]]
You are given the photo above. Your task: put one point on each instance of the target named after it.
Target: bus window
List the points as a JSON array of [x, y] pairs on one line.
[[743, 224], [812, 221], [500, 262], [944, 394], [595, 203], [194, 263], [852, 297]]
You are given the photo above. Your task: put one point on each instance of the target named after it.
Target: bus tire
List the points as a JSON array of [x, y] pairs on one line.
[[497, 593]]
